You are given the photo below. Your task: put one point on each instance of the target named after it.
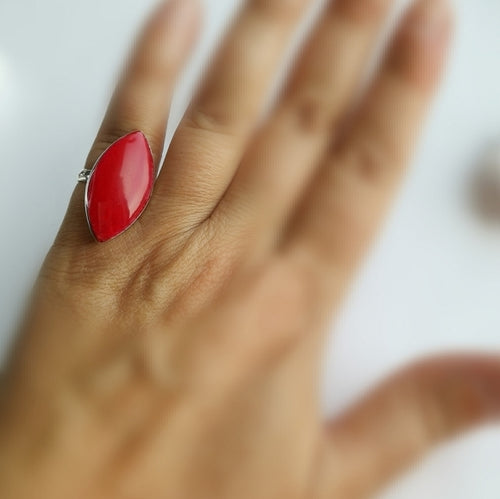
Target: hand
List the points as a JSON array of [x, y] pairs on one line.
[[181, 359]]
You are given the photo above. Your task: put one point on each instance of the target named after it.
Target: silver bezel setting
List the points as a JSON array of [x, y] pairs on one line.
[[86, 174]]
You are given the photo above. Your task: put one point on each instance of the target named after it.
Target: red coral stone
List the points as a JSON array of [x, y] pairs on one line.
[[119, 186]]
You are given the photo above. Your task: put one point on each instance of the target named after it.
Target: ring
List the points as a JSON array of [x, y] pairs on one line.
[[119, 186]]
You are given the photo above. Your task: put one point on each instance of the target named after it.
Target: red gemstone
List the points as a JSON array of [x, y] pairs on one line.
[[119, 186]]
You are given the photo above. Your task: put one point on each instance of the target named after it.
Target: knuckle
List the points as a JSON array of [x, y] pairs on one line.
[[369, 160], [205, 266], [144, 283], [260, 318], [312, 115], [213, 121]]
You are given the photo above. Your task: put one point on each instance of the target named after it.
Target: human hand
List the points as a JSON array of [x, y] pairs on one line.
[[181, 359]]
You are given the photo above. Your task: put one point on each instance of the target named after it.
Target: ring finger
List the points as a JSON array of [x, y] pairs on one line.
[[142, 98]]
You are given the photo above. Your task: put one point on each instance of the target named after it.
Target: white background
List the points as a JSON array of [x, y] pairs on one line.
[[432, 282]]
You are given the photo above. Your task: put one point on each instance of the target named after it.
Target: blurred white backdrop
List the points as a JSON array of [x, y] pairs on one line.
[[432, 282]]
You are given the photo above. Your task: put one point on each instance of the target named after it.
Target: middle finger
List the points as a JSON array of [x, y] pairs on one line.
[[210, 141]]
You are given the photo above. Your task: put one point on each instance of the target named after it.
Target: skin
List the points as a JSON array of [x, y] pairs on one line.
[[181, 359]]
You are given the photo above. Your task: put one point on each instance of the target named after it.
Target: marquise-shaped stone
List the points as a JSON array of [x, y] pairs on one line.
[[119, 186]]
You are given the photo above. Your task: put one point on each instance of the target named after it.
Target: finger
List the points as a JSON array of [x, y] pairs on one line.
[[143, 95], [320, 92], [347, 200], [404, 419], [210, 141]]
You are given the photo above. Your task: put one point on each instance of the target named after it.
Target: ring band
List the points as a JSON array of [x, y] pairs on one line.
[[84, 175]]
